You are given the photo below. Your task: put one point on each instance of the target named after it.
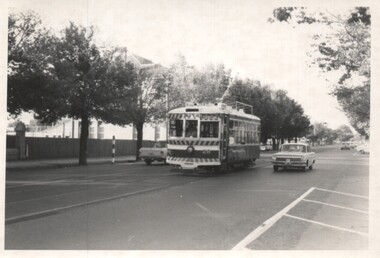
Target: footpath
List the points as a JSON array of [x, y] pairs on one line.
[[59, 163]]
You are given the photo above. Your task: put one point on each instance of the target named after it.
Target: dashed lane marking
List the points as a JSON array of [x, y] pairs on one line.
[[269, 223], [336, 206], [327, 225]]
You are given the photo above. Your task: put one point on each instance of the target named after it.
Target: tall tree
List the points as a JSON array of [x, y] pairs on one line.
[[344, 133], [60, 76], [29, 48], [142, 98], [346, 50], [281, 117]]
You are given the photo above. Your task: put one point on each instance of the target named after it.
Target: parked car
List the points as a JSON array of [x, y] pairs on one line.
[[294, 155], [363, 148], [157, 153], [266, 147], [345, 146]]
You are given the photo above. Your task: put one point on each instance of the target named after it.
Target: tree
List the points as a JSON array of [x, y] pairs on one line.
[[29, 44], [344, 133], [61, 76], [210, 83], [281, 117], [141, 98], [345, 50]]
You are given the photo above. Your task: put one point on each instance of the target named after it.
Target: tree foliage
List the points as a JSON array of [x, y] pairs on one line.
[[345, 50], [281, 117], [59, 76]]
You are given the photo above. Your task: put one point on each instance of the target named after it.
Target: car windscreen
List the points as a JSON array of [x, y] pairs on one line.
[[293, 148]]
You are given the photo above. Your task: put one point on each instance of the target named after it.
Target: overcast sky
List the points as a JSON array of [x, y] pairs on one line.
[[235, 33]]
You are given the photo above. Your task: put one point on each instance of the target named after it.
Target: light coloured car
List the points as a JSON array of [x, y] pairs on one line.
[[157, 153], [345, 146], [363, 148], [294, 155], [268, 147]]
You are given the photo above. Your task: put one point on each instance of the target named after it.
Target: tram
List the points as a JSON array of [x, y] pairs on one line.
[[212, 137]]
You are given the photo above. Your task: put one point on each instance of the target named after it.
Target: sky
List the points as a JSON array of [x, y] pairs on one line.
[[235, 33]]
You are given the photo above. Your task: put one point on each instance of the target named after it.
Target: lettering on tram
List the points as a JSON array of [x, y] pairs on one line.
[[212, 137]]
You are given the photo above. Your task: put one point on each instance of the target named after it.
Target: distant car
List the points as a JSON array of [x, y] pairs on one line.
[[345, 146], [268, 147], [294, 155], [157, 153], [363, 148]]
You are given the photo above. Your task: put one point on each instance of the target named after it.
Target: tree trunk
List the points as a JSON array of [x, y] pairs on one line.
[[139, 128], [274, 147], [295, 139], [83, 140]]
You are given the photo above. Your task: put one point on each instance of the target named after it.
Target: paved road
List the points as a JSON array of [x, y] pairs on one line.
[[136, 207]]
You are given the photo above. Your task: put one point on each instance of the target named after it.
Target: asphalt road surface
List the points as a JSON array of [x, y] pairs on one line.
[[131, 206]]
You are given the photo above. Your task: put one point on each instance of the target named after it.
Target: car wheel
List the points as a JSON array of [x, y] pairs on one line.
[[275, 168], [148, 161], [311, 167]]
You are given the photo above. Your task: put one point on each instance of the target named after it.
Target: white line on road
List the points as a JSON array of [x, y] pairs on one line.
[[336, 206], [269, 223], [33, 214], [327, 225], [337, 192], [203, 207]]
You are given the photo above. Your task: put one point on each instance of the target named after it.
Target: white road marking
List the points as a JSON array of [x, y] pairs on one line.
[[336, 206], [203, 207], [121, 196], [337, 192], [269, 223], [327, 225]]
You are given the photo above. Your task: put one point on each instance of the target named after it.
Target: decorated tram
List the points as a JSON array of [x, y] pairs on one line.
[[212, 137]]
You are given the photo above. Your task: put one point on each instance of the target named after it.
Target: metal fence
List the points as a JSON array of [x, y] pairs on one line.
[[50, 148]]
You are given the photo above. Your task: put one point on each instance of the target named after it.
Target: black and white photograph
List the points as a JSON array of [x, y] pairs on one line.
[[169, 128]]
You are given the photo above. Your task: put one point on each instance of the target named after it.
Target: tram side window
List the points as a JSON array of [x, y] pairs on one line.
[[191, 128], [209, 129], [176, 128]]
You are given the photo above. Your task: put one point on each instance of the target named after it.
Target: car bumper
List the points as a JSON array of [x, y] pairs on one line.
[[289, 164], [153, 157]]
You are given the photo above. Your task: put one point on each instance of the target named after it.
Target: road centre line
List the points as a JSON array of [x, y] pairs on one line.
[[336, 206], [269, 223], [327, 225], [337, 192]]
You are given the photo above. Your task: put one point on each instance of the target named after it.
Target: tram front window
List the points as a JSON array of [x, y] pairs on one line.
[[209, 129], [191, 128], [176, 128]]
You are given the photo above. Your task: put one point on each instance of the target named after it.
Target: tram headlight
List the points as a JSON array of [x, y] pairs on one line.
[[190, 149]]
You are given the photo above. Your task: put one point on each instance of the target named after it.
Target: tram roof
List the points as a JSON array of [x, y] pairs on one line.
[[213, 109]]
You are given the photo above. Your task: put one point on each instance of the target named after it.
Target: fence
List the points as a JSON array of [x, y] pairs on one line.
[[50, 148], [11, 141]]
